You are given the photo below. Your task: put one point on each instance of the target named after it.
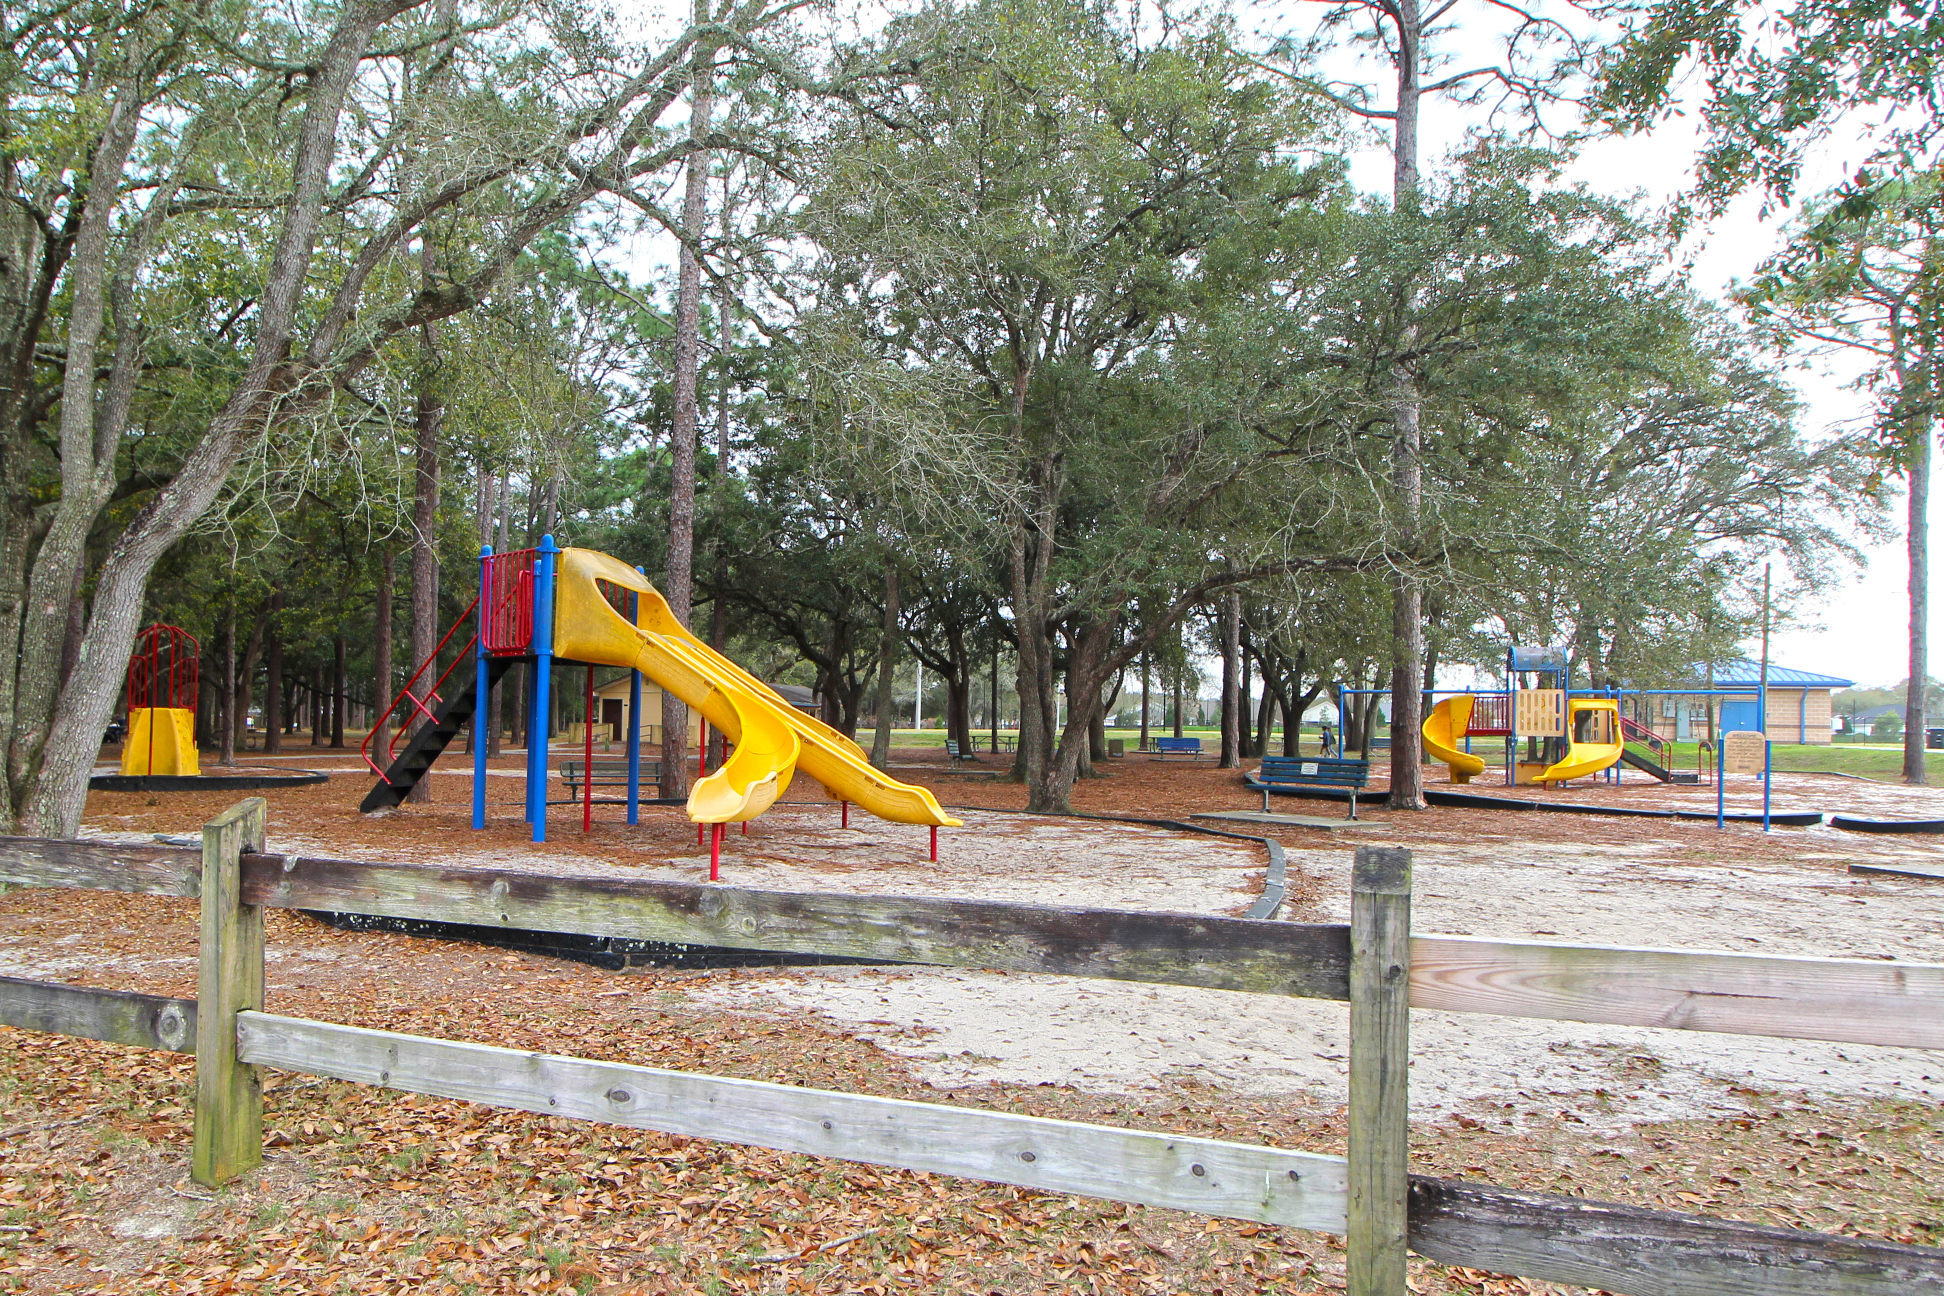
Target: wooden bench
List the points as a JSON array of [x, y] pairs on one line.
[[1165, 747], [607, 771], [1316, 771]]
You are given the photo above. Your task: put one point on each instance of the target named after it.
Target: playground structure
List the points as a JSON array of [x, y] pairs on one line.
[[163, 676], [1564, 737], [545, 606]]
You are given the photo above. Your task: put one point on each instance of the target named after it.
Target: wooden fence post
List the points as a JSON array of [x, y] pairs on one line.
[[229, 1100], [1380, 1059]]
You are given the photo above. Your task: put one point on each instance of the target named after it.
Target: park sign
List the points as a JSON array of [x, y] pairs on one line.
[[1744, 751]]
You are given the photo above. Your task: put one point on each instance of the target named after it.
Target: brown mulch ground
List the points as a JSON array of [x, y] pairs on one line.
[[366, 1190]]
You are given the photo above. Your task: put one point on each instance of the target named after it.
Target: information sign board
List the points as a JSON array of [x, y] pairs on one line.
[[1741, 751]]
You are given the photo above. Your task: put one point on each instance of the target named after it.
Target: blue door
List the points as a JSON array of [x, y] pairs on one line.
[[1739, 713]]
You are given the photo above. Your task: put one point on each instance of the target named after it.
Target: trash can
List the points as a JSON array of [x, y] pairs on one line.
[[1118, 746], [1934, 739]]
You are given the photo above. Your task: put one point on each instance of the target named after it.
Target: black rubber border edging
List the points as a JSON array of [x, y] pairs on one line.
[[1473, 801], [202, 782], [1852, 824]]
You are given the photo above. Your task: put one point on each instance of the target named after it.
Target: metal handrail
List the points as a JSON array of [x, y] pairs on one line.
[[1640, 733], [391, 742]]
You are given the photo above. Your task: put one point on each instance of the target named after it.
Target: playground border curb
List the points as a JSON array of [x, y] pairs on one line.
[[1474, 801], [1850, 823], [203, 782]]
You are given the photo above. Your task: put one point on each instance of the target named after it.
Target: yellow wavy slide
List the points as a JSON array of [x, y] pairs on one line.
[[1598, 719], [772, 738], [1444, 729]]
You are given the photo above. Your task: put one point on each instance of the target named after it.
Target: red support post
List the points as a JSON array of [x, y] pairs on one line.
[[934, 836], [715, 853], [587, 756], [846, 806]]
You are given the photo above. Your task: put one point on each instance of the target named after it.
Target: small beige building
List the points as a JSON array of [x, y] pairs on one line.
[[1799, 706]]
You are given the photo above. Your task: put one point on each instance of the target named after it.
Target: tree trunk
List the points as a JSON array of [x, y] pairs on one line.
[[338, 701], [77, 622], [246, 679], [1917, 541], [1265, 718], [226, 749], [273, 691], [1146, 675], [82, 708], [1231, 631], [425, 514], [679, 589], [1406, 403], [381, 656], [887, 662]]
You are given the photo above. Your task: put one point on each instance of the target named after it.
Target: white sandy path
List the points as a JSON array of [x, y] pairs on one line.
[[977, 1027]]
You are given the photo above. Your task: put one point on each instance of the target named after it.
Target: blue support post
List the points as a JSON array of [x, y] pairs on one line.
[[537, 720], [1721, 795], [482, 722], [634, 729], [1761, 709]]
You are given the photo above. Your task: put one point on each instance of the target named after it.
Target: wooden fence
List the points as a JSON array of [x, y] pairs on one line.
[[1374, 964]]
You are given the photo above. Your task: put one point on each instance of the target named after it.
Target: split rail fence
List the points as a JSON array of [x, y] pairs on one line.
[[1373, 963]]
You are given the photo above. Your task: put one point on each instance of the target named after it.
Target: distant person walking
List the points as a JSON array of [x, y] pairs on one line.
[[1328, 740]]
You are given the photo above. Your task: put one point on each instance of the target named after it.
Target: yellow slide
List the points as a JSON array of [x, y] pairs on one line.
[[1594, 745], [1444, 730], [161, 740], [772, 737]]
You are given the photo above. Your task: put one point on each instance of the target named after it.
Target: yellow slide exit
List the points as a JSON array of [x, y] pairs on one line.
[[771, 737], [1444, 730]]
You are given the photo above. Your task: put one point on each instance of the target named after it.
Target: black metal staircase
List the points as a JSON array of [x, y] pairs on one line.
[[452, 716], [1660, 772]]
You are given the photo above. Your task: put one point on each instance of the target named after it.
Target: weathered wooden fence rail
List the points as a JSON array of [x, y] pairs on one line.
[[1369, 1196]]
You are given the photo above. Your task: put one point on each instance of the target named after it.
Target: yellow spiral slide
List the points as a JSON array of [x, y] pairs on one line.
[[1444, 729], [772, 737]]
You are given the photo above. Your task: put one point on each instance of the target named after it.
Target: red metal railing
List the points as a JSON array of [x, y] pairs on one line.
[[419, 707], [1491, 714], [507, 585], [505, 607], [163, 671], [1640, 733]]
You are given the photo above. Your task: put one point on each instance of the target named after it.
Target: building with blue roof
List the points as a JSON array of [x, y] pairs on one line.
[[1799, 706]]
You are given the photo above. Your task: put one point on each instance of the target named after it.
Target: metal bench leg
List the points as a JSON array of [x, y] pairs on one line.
[[1265, 800], [1353, 803]]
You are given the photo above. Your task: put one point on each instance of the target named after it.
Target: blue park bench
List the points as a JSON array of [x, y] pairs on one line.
[[1178, 747], [1311, 771]]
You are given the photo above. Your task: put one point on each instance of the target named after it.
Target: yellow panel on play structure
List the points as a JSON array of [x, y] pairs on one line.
[[161, 740], [1539, 713]]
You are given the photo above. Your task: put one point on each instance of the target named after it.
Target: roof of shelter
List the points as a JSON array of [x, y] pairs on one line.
[[1748, 674]]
